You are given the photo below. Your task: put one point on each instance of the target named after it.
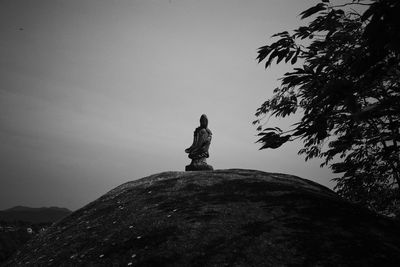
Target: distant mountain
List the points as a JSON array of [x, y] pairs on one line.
[[34, 215]]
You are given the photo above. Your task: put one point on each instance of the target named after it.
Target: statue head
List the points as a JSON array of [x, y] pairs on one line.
[[203, 121]]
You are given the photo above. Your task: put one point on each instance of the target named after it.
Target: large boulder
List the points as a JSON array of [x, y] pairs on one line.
[[217, 218]]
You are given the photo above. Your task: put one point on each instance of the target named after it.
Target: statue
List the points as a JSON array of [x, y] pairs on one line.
[[198, 151]]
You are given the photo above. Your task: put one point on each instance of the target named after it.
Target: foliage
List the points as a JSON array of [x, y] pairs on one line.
[[347, 88]]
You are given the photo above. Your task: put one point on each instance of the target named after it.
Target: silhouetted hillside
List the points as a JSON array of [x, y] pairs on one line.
[[220, 218], [34, 215], [10, 241]]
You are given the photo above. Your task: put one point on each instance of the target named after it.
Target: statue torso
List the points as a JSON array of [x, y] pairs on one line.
[[202, 140]]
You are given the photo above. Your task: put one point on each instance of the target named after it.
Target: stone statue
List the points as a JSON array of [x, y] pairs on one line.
[[198, 151]]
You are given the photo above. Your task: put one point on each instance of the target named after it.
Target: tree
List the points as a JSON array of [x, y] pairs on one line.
[[347, 88]]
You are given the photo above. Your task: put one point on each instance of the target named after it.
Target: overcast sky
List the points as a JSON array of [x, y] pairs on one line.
[[97, 93]]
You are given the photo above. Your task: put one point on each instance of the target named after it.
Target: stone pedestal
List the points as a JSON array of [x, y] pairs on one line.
[[199, 165]]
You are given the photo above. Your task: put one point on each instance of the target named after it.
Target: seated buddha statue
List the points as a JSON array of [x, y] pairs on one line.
[[198, 151]]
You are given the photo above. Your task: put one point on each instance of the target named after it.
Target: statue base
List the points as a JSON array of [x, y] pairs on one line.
[[199, 165]]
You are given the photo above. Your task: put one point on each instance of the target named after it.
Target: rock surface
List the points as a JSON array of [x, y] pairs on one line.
[[217, 218]]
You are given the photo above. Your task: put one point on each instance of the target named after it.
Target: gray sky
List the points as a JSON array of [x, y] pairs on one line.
[[96, 93]]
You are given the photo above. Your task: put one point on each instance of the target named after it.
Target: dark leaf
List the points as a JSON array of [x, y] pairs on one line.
[[294, 59], [275, 129], [285, 33], [263, 53], [271, 57], [369, 12], [313, 10], [281, 55], [289, 56]]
